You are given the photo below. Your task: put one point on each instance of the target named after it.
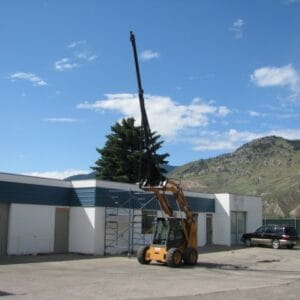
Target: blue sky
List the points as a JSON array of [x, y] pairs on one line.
[[216, 75]]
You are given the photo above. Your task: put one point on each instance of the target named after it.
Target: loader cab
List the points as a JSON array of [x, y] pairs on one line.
[[169, 232]]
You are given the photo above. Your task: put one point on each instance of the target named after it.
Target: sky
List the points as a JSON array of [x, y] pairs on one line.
[[216, 75]]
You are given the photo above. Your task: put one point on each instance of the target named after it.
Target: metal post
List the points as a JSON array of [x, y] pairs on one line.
[[129, 227]]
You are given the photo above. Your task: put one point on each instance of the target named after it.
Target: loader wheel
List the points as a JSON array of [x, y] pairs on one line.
[[141, 255], [190, 256], [174, 257]]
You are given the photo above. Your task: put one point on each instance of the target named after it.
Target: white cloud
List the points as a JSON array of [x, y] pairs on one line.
[[148, 55], [291, 1], [58, 174], [82, 50], [64, 64], [253, 113], [75, 44], [237, 28], [232, 139], [285, 76], [290, 134], [81, 53], [205, 145], [85, 55], [273, 76], [223, 111], [176, 117], [223, 141], [60, 120], [34, 79]]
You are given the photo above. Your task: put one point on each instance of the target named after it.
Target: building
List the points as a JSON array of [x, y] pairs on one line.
[[39, 215]]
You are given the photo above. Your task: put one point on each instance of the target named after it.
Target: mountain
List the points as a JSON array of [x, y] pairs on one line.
[[81, 176], [169, 168], [268, 167]]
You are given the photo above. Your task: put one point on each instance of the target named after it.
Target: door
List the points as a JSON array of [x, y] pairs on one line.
[[61, 235], [238, 226], [209, 229], [258, 235], [3, 228], [269, 235]]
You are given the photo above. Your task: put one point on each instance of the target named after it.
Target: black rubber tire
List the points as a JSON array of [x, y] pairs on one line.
[[141, 255], [247, 243], [290, 246], [275, 244], [190, 256], [174, 258]]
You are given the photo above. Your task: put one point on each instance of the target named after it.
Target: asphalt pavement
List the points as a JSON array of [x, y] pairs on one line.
[[221, 273]]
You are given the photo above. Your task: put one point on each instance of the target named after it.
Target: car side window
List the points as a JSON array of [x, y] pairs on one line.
[[260, 229], [269, 230]]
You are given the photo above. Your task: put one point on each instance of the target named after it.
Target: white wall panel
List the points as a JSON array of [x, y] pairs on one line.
[[254, 216], [201, 229], [99, 230], [221, 220]]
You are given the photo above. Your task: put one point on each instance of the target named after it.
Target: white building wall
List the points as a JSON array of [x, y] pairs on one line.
[[31, 229], [221, 220], [82, 230], [253, 205], [253, 208], [201, 229], [99, 230]]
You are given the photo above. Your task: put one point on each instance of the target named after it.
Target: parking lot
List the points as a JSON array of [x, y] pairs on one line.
[[242, 273]]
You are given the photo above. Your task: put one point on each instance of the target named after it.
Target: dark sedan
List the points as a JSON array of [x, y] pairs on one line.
[[272, 235]]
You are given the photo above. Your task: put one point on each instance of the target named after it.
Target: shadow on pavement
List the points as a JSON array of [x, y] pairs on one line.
[[40, 258], [217, 248]]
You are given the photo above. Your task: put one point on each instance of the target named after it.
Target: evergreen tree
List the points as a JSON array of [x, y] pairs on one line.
[[126, 157]]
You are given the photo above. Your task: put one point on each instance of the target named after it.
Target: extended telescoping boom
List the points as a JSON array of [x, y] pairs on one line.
[[175, 239]]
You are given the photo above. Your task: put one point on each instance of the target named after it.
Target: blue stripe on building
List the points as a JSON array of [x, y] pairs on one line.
[[13, 192], [106, 197], [83, 197]]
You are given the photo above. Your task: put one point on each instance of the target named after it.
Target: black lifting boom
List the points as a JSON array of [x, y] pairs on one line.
[[153, 174]]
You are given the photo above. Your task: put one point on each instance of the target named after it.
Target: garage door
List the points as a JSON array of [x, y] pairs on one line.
[[3, 227]]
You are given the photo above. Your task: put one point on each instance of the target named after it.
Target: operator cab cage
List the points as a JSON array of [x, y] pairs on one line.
[[169, 232]]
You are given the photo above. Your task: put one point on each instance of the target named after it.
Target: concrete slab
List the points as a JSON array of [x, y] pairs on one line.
[[220, 273]]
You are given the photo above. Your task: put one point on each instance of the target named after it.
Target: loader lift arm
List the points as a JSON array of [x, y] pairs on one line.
[[181, 234]]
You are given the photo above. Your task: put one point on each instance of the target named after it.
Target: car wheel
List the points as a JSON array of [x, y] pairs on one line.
[[247, 243], [190, 256], [174, 257], [141, 255], [275, 244], [290, 246]]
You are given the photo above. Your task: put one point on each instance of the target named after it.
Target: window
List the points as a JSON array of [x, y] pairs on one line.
[[238, 226], [148, 219], [279, 230], [161, 232], [270, 229], [260, 229]]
